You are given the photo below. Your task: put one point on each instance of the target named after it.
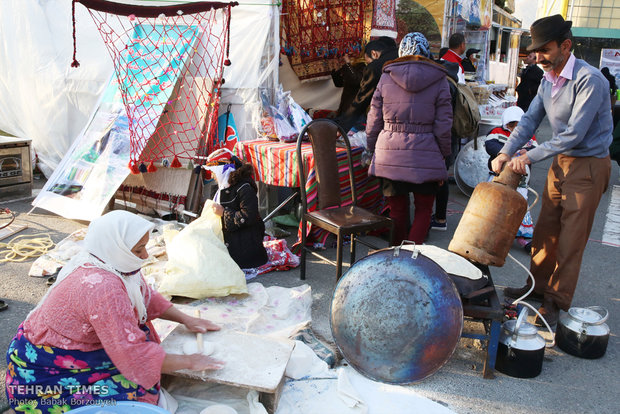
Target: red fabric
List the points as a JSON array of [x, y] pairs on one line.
[[450, 56], [384, 15], [315, 34], [399, 212], [280, 257]]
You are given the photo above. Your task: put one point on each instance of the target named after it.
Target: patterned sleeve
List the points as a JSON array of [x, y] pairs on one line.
[[115, 323]]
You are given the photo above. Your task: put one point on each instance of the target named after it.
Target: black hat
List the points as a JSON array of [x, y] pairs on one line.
[[471, 52], [547, 29]]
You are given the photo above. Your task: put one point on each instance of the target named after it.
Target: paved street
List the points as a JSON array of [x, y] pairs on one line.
[[566, 385]]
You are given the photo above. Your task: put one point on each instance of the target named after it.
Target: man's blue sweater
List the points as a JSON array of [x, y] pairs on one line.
[[579, 115]]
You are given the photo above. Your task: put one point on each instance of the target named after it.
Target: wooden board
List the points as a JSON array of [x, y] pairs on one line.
[[11, 230], [251, 361]]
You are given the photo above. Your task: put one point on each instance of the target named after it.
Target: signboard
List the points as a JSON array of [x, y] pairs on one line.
[[611, 58]]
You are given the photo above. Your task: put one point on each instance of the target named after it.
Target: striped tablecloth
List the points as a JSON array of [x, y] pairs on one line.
[[275, 163]]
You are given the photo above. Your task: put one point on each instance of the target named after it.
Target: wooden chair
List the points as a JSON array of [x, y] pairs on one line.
[[331, 215]]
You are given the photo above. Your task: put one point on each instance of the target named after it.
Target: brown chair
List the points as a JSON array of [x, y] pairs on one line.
[[331, 215]]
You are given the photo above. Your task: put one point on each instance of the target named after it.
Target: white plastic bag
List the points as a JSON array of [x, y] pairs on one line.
[[199, 264]]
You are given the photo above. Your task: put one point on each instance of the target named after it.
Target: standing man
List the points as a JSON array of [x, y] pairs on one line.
[[456, 45], [575, 97], [530, 80]]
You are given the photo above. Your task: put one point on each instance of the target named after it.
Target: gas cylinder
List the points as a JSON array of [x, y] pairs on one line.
[[491, 220]]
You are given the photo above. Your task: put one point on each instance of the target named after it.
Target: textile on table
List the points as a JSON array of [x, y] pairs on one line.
[[276, 164]]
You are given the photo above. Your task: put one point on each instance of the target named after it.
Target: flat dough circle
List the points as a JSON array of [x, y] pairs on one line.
[[219, 409], [191, 347]]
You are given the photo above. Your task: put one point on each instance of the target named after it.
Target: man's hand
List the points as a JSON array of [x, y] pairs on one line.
[[498, 163], [518, 164]]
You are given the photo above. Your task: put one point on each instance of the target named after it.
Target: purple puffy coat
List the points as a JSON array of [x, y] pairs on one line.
[[409, 121]]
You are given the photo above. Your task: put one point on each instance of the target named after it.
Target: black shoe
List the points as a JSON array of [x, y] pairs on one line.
[[528, 248], [3, 306], [550, 311], [518, 292], [50, 281]]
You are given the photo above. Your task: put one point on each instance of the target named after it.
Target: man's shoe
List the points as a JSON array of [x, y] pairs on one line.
[[436, 225], [550, 311], [518, 292]]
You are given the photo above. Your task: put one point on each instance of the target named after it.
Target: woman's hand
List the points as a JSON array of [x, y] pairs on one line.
[[218, 209], [194, 362], [199, 362], [200, 325]]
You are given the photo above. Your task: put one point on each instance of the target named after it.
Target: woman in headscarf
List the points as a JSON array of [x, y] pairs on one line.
[[493, 144], [408, 130], [90, 338], [236, 202]]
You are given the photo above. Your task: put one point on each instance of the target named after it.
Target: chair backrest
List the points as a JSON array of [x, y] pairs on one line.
[[323, 135]]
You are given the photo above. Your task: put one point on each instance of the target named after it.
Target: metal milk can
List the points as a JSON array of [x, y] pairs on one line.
[[583, 332], [521, 349], [491, 220]]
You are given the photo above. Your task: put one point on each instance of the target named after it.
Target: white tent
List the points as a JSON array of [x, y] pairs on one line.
[[43, 98]]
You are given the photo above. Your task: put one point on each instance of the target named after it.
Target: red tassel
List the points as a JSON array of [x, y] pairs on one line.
[[151, 167], [133, 167], [175, 163], [227, 62], [75, 64]]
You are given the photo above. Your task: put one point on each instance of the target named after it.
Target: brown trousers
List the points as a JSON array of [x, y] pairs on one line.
[[574, 188]]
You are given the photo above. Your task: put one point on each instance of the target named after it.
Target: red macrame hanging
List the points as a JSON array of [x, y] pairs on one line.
[[168, 62], [315, 33]]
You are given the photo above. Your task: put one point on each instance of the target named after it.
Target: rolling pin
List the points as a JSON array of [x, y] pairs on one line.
[[199, 342]]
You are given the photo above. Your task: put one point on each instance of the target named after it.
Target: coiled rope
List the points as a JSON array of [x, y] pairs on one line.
[[21, 248]]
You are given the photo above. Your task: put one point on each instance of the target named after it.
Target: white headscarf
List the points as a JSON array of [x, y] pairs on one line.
[[108, 245], [221, 171], [511, 114]]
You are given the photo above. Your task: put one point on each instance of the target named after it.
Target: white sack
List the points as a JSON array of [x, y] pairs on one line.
[[199, 264]]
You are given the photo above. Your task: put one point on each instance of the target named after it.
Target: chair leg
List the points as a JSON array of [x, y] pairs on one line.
[[302, 258], [339, 257], [353, 243]]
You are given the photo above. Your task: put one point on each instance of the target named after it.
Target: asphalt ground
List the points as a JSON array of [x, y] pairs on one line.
[[567, 384]]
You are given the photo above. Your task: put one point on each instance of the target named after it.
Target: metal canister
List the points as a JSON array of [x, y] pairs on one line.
[[583, 332], [521, 349], [490, 220]]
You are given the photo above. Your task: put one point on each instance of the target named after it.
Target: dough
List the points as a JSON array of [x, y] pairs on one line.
[[191, 347], [219, 409]]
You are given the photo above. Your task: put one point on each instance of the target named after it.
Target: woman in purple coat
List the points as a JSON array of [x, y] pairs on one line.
[[408, 130]]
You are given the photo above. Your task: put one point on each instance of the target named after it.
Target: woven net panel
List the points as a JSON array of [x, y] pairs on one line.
[[316, 33], [168, 62]]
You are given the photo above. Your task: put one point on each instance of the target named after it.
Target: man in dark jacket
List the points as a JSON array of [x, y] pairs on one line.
[[470, 60], [530, 80], [348, 78], [376, 53]]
